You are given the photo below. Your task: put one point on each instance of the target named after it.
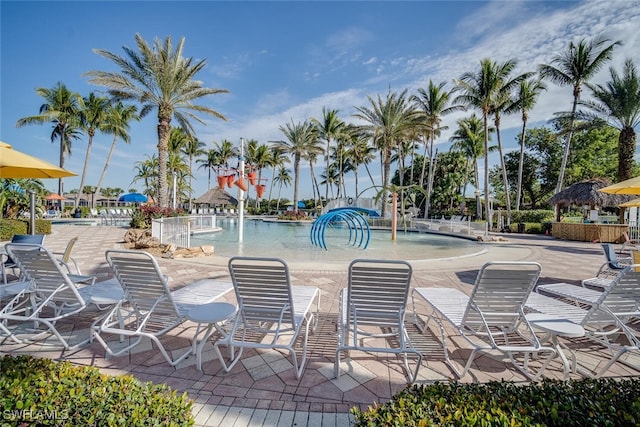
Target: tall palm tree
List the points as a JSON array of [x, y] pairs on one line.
[[93, 117], [299, 137], [618, 103], [283, 177], [61, 108], [192, 148], [329, 128], [278, 159], [504, 102], [360, 152], [119, 116], [573, 67], [479, 90], [226, 151], [388, 121], [434, 104], [161, 79], [147, 172], [526, 97], [210, 161], [468, 139]]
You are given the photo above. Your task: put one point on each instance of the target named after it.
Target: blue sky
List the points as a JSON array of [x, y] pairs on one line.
[[285, 61]]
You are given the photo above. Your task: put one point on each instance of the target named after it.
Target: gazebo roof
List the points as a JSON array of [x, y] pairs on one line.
[[586, 193], [216, 196]]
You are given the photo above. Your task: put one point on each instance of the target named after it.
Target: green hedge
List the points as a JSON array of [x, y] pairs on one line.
[[43, 392], [11, 227], [601, 402]]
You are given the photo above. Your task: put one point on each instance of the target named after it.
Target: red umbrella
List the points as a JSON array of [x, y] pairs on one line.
[[54, 196]]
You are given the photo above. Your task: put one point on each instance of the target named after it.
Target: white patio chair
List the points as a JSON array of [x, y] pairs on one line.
[[606, 316], [492, 317], [7, 262], [376, 297], [269, 306], [149, 309], [613, 265], [51, 296]]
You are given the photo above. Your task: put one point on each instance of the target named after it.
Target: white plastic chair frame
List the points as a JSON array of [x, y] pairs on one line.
[[270, 306], [149, 309], [493, 312], [53, 295], [376, 297]]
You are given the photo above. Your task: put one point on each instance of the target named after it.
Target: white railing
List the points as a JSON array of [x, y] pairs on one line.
[[177, 230]]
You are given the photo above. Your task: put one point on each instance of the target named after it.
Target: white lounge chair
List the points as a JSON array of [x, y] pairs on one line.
[[605, 316], [149, 309], [376, 297], [269, 306], [7, 262], [609, 269], [51, 296], [492, 317]]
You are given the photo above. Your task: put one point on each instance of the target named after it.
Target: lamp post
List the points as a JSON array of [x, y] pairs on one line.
[[241, 194], [175, 192]]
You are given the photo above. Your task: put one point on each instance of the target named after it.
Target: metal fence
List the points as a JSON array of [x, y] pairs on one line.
[[178, 230]]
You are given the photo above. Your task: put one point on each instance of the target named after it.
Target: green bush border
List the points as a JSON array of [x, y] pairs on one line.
[[588, 402], [37, 391], [11, 227]]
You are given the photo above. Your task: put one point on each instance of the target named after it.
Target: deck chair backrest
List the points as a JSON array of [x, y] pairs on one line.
[[378, 290], [500, 291], [621, 298], [36, 263], [66, 255], [263, 289], [34, 239], [143, 283], [612, 258]]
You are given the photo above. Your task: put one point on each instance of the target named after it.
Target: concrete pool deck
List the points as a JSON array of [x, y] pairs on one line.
[[258, 391]]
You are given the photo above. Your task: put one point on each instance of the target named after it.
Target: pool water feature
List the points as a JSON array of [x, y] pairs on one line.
[[291, 241]]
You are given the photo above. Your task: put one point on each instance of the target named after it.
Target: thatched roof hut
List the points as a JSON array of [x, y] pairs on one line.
[[586, 193], [216, 196]]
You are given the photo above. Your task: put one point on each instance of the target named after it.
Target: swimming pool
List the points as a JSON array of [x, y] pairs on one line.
[[292, 242]]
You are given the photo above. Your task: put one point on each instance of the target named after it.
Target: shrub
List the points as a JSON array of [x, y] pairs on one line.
[[142, 217], [604, 401], [295, 216], [539, 216], [44, 392], [11, 227]]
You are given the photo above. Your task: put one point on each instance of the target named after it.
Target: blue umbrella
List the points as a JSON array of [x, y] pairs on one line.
[[133, 198]]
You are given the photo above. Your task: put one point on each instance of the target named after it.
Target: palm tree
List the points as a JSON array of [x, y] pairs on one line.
[[226, 151], [360, 152], [618, 103], [278, 159], [388, 123], [575, 66], [479, 90], [159, 77], [117, 124], [526, 97], [147, 171], [433, 104], [192, 148], [299, 137], [283, 177], [61, 108], [331, 127], [93, 117], [209, 162], [469, 140]]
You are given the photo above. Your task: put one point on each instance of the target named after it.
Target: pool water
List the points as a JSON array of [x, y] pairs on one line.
[[292, 242]]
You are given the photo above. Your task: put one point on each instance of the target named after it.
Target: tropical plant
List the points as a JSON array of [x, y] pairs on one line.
[[192, 148], [479, 90], [618, 103], [388, 122], [61, 108], [159, 78], [282, 178], [93, 117], [300, 137], [573, 67], [210, 161], [433, 104], [329, 128], [526, 97], [119, 116]]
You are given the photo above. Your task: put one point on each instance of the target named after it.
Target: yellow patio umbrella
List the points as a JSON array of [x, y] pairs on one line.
[[630, 186], [630, 204], [16, 164]]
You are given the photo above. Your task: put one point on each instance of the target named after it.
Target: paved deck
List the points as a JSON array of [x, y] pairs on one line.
[[263, 389]]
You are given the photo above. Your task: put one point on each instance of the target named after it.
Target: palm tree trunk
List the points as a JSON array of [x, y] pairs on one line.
[[386, 168], [504, 173], [106, 163], [567, 144], [521, 161], [626, 150], [84, 171], [432, 172], [486, 168], [296, 182], [164, 131]]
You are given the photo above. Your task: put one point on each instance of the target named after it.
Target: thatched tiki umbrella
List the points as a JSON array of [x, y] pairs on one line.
[[586, 193], [215, 197]]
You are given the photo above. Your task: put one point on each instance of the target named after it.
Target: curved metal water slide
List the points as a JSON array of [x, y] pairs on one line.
[[359, 232]]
